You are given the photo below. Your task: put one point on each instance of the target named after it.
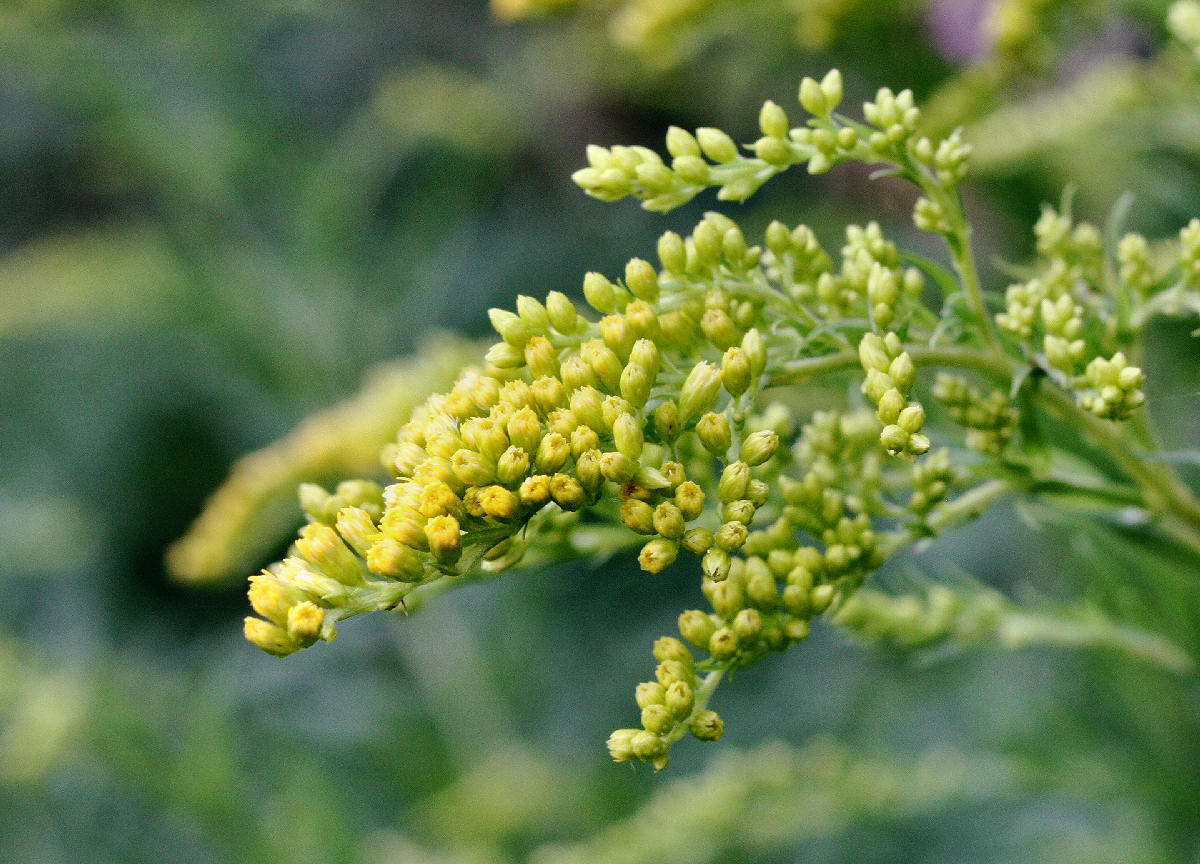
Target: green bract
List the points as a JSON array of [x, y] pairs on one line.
[[655, 414]]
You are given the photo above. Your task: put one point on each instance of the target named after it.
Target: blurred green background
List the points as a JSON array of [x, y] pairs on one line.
[[218, 216]]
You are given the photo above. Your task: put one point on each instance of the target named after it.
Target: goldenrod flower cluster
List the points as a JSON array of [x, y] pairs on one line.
[[646, 409]]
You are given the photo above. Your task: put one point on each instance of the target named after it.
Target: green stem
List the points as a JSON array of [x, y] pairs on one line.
[[959, 241], [966, 507], [805, 369], [1017, 630]]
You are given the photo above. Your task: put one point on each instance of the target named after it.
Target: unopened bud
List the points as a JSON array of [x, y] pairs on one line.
[[641, 279], [707, 726], [759, 447], [734, 481], [716, 145]]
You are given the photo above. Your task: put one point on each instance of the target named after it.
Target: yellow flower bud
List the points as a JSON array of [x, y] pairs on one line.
[[668, 521], [658, 555], [797, 629], [617, 467], [873, 354], [698, 391], [796, 601], [720, 329], [641, 280], [599, 293], [636, 384], [734, 481], [739, 511], [773, 120], [567, 492], [637, 516], [748, 625], [812, 98], [689, 498], [716, 145], [820, 598], [604, 362], [669, 671], [499, 503], [532, 313], [669, 648], [627, 433], [731, 536], [552, 453], [472, 468], [588, 471], [541, 357], [324, 549], [304, 623], [759, 447], [548, 394], [642, 320], [395, 560], [667, 425], [650, 693], [680, 699], [444, 538], [911, 419], [534, 491], [587, 406], [357, 528], [511, 328], [681, 142], [736, 371], [903, 371], [716, 564], [562, 313], [437, 499], [697, 540], [707, 726], [583, 439], [657, 719], [696, 627], [512, 467], [671, 253], [894, 439], [714, 433], [268, 598], [620, 744], [723, 644], [647, 746], [524, 429], [890, 406], [269, 637]]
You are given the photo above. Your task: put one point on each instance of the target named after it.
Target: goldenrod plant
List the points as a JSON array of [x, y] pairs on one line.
[[669, 415]]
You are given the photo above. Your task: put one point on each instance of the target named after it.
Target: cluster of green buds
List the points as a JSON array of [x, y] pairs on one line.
[[919, 620], [710, 157], [989, 420], [645, 411], [1085, 313], [891, 374], [1116, 388]]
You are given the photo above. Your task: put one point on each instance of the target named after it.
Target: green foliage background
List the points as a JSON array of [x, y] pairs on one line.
[[217, 216]]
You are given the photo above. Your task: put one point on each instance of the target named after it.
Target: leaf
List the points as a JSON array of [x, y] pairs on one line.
[[945, 280], [1033, 440]]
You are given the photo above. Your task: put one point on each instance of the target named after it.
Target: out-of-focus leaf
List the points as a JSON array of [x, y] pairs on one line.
[[90, 279]]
